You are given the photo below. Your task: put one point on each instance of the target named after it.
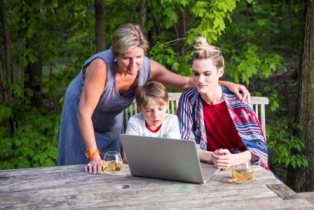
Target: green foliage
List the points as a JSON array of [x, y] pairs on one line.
[[5, 112], [284, 147], [165, 11], [166, 56], [210, 19], [274, 99], [250, 42], [33, 143], [252, 62]]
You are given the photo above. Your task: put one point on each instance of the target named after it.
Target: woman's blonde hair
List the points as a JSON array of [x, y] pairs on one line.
[[203, 50], [151, 90], [126, 37]]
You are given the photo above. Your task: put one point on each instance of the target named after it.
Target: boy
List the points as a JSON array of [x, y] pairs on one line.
[[152, 119]]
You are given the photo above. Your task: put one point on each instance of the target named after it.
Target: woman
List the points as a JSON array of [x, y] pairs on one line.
[[93, 107], [226, 130]]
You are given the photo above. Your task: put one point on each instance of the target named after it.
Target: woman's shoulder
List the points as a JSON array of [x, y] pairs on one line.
[[95, 67], [105, 56]]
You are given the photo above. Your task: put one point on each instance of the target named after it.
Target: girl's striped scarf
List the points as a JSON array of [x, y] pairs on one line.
[[190, 114]]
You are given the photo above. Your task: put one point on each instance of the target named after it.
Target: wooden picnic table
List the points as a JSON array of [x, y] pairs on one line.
[[69, 187]]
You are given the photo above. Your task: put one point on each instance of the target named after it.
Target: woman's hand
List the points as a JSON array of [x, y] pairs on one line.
[[223, 159], [237, 89], [95, 165]]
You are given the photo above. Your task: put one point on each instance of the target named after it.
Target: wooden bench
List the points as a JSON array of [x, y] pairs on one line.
[[258, 104]]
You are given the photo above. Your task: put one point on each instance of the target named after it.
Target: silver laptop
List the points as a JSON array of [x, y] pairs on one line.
[[162, 158]]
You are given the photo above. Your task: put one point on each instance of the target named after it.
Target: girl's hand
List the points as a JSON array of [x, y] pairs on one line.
[[223, 159]]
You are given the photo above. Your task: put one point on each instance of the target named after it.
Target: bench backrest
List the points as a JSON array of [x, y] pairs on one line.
[[258, 104]]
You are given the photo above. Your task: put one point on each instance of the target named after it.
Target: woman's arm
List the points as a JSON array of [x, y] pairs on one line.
[[92, 89], [169, 79]]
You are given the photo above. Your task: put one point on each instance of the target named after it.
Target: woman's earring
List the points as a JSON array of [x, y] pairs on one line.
[[115, 60]]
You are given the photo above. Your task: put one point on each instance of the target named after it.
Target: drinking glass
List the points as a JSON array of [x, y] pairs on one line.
[[243, 172], [112, 162]]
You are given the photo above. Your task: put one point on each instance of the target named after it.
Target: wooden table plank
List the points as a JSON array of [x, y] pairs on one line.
[[69, 187], [309, 196]]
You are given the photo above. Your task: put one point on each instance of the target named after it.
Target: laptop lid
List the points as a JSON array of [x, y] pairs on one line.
[[162, 158]]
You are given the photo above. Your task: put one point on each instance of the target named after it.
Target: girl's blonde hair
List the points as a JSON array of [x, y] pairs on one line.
[[203, 50]]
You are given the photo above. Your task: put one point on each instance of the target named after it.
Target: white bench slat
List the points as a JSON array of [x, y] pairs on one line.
[[258, 105]]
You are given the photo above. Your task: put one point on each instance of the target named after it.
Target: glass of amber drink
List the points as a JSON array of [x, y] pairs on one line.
[[112, 162], [242, 172]]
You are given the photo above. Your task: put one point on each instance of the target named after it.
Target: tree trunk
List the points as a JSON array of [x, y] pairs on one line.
[[183, 28], [302, 179], [33, 71], [34, 81], [143, 17], [6, 73], [100, 25]]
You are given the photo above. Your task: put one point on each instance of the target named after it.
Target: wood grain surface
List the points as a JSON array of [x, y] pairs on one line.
[[69, 187]]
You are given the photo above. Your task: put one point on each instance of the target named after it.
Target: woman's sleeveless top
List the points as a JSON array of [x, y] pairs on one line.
[[107, 118]]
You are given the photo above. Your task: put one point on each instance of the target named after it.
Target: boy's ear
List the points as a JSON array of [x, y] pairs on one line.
[[138, 108], [168, 105], [221, 72]]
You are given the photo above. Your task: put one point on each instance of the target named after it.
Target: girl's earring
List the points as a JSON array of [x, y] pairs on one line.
[[115, 60]]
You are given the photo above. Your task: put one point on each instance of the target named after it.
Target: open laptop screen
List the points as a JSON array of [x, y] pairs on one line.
[[162, 158]]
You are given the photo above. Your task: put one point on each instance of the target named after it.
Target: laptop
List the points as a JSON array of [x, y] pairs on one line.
[[163, 158]]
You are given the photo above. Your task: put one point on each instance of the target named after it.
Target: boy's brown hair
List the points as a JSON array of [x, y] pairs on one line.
[[151, 90]]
